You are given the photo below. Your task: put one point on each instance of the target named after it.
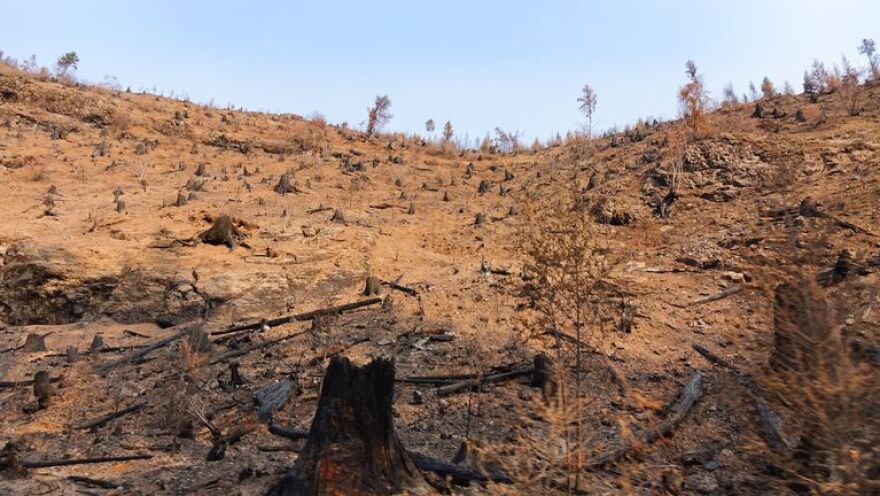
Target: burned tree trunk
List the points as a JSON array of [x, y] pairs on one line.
[[352, 447], [223, 232]]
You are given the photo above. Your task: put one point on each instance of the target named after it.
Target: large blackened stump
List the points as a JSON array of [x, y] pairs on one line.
[[352, 447]]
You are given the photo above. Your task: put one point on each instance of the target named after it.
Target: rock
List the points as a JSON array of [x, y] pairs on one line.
[[480, 219], [734, 276], [702, 483]]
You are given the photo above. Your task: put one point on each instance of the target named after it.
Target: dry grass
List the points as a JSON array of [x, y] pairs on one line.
[[830, 394]]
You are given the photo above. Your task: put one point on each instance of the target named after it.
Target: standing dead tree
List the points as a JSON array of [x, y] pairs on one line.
[[588, 102], [352, 447], [379, 114]]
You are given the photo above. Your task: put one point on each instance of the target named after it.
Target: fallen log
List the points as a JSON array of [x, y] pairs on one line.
[[476, 382], [104, 419], [287, 432], [399, 287], [436, 379], [140, 354], [28, 382], [718, 296], [712, 357], [770, 421], [685, 402], [299, 317], [244, 351], [455, 473], [88, 481], [83, 461]]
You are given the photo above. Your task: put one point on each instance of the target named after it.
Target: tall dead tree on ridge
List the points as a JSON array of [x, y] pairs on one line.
[[694, 100], [588, 102], [379, 114]]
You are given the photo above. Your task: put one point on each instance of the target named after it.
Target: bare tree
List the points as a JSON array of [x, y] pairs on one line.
[[767, 88], [588, 102], [848, 91], [787, 89], [429, 125], [693, 99], [869, 49], [730, 97], [753, 92], [447, 132], [379, 114]]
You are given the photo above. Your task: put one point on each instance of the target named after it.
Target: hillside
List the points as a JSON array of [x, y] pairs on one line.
[[105, 194]]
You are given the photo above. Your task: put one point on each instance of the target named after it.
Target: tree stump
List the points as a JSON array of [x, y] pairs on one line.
[[223, 232], [544, 376], [34, 343], [338, 217], [759, 112], [480, 219], [181, 200], [483, 187], [352, 447], [373, 286], [42, 390], [284, 186]]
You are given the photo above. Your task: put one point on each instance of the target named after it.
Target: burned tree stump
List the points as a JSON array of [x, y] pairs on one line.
[[352, 447], [284, 186], [483, 187], [223, 232], [373, 286], [42, 389], [543, 377], [480, 219], [338, 217], [181, 200], [34, 343]]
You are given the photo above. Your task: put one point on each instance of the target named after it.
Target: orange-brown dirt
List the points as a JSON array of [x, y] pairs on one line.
[[73, 265]]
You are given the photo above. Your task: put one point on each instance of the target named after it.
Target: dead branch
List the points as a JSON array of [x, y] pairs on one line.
[[469, 384], [84, 461], [685, 402], [718, 296], [104, 419], [299, 317], [140, 354]]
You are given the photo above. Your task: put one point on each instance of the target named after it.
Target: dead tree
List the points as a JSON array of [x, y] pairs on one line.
[[352, 447]]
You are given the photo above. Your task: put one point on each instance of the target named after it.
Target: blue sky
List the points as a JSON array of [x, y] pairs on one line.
[[513, 64]]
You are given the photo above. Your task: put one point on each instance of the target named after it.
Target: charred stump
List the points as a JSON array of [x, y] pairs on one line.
[[223, 232], [352, 447], [284, 185]]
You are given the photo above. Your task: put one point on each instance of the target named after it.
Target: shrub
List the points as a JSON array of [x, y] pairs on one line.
[[831, 396]]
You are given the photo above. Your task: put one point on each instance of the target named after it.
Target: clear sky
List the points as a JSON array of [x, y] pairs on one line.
[[480, 64]]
